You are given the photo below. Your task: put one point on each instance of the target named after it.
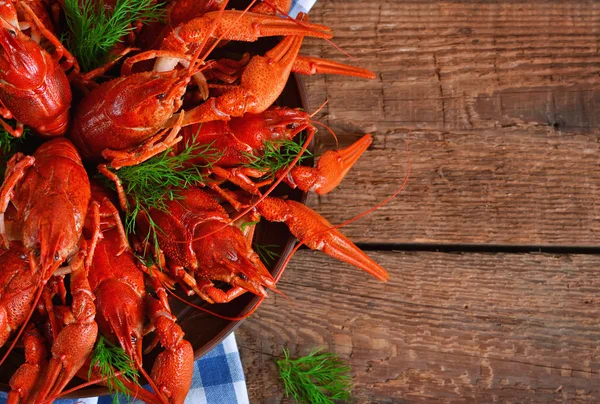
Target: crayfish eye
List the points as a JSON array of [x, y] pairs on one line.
[[161, 96], [56, 257], [37, 252], [12, 32]]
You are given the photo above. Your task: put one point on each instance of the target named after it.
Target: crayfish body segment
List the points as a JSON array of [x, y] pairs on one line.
[[115, 279], [33, 86], [123, 113], [51, 192], [18, 289]]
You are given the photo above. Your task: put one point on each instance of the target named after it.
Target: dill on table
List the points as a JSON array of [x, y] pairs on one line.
[[277, 155], [150, 184], [318, 378], [94, 30], [110, 359]]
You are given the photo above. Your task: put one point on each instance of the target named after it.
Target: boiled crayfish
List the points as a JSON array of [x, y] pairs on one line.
[[34, 89], [72, 275]]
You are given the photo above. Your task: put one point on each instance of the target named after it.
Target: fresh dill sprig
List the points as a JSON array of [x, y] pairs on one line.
[[94, 30], [110, 359], [150, 184], [265, 252], [9, 144], [277, 155], [318, 378]]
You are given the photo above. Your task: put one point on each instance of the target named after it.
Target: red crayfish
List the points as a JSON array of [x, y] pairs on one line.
[[33, 86]]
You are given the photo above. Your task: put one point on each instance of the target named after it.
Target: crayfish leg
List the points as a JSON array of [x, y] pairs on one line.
[[173, 369], [59, 50], [27, 378], [309, 65], [75, 342], [155, 145]]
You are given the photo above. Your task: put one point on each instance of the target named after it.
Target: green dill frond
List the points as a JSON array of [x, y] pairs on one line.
[[94, 30], [150, 184], [318, 378], [265, 252], [277, 155], [110, 359], [9, 144]]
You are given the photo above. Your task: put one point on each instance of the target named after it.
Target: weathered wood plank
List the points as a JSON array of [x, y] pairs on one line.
[[461, 65], [528, 187], [501, 101], [452, 327]]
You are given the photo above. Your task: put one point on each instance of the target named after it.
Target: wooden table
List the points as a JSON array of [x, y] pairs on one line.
[[493, 246]]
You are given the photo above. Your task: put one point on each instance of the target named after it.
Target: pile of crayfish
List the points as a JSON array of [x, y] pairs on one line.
[[70, 271]]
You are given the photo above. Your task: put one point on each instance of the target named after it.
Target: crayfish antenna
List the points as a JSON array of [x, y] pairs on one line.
[[197, 60], [320, 108], [242, 317], [155, 388], [328, 129], [280, 293]]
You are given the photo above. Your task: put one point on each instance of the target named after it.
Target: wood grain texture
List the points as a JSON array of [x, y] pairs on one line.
[[500, 101], [447, 327], [451, 65], [511, 187]]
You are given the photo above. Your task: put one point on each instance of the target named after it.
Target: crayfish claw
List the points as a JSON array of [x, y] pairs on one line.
[[317, 233]]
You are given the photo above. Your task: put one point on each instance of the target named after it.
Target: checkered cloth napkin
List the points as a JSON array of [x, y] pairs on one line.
[[218, 375], [301, 6], [218, 379]]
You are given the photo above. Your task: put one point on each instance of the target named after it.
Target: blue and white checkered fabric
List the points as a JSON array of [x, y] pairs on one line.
[[301, 6], [218, 379]]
